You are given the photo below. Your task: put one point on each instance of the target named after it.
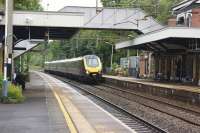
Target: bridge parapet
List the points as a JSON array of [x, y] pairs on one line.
[[47, 19]]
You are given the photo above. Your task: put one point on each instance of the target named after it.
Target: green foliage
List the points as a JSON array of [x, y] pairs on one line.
[[1, 81], [156, 8], [90, 42], [27, 5], [24, 4], [1, 4], [118, 71], [14, 94], [84, 43], [96, 42]]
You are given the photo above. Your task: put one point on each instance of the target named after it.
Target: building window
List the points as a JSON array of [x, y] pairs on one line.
[[181, 21]]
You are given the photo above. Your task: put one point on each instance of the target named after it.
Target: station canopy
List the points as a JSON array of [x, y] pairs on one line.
[[169, 40], [66, 22]]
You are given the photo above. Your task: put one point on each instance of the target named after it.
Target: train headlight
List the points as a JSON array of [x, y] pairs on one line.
[[87, 72]]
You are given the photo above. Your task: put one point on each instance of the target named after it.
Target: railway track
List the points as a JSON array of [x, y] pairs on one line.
[[190, 110], [150, 103], [134, 122]]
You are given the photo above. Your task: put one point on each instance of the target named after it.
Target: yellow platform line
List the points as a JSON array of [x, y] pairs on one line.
[[67, 117]]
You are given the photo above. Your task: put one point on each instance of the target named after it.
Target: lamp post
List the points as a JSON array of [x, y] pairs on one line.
[[96, 6], [111, 60], [131, 36], [8, 43]]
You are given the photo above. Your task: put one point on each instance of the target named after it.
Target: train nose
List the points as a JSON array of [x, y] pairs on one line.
[[93, 70]]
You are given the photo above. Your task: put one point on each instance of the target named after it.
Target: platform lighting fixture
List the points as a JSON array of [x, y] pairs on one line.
[[137, 49], [96, 6], [8, 43], [111, 60], [48, 6], [1, 15]]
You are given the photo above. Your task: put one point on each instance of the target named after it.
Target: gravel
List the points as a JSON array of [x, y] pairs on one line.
[[165, 121]]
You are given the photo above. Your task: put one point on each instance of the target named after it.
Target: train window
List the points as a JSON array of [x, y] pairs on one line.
[[92, 62]]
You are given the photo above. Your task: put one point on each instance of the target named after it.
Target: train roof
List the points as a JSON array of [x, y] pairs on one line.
[[65, 60], [69, 60]]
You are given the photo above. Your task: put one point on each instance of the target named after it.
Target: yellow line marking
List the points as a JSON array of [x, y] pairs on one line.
[[68, 119]]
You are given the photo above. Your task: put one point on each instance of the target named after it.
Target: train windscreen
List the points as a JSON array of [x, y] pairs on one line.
[[92, 62]]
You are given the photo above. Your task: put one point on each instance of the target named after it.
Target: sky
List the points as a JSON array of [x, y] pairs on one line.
[[55, 5]]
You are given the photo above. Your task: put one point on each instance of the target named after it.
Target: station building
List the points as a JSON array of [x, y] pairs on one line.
[[173, 52]]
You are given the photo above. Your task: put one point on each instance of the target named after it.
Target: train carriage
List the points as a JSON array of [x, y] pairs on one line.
[[86, 68]]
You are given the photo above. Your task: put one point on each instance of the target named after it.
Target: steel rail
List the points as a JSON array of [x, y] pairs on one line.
[[149, 106], [142, 121], [152, 99]]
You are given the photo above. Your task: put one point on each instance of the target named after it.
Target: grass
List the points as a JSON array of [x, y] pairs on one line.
[[14, 93]]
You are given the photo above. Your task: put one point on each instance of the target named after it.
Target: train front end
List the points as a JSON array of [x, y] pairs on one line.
[[93, 66]]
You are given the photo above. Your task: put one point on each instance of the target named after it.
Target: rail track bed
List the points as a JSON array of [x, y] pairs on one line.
[[134, 122], [153, 115]]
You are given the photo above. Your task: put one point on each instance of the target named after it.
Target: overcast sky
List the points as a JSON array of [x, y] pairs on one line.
[[55, 5]]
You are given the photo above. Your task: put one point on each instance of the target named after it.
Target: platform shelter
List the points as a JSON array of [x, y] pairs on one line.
[[175, 49]]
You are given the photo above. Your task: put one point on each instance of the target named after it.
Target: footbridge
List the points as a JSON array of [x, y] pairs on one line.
[[66, 22]]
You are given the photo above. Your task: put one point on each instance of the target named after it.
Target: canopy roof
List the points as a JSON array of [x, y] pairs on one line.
[[185, 6], [176, 38]]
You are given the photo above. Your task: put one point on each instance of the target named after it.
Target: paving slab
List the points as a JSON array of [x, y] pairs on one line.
[[87, 116], [39, 113]]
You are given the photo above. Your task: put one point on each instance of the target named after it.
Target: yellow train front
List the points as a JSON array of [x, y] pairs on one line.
[[87, 68]]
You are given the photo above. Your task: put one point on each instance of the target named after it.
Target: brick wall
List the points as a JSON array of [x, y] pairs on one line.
[[172, 22], [196, 17], [142, 66]]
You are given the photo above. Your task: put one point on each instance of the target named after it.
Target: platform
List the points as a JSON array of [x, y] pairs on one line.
[[39, 113], [185, 93], [81, 114]]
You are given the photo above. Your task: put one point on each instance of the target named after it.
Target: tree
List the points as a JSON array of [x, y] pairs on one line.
[[94, 42], [25, 4], [156, 8]]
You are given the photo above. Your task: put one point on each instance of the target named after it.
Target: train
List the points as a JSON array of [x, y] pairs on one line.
[[87, 68]]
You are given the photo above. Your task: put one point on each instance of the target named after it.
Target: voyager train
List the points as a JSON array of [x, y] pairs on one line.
[[86, 68]]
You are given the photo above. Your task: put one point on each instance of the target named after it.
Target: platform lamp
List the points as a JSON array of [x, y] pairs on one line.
[[130, 35], [1, 15], [111, 60], [8, 43], [96, 6]]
